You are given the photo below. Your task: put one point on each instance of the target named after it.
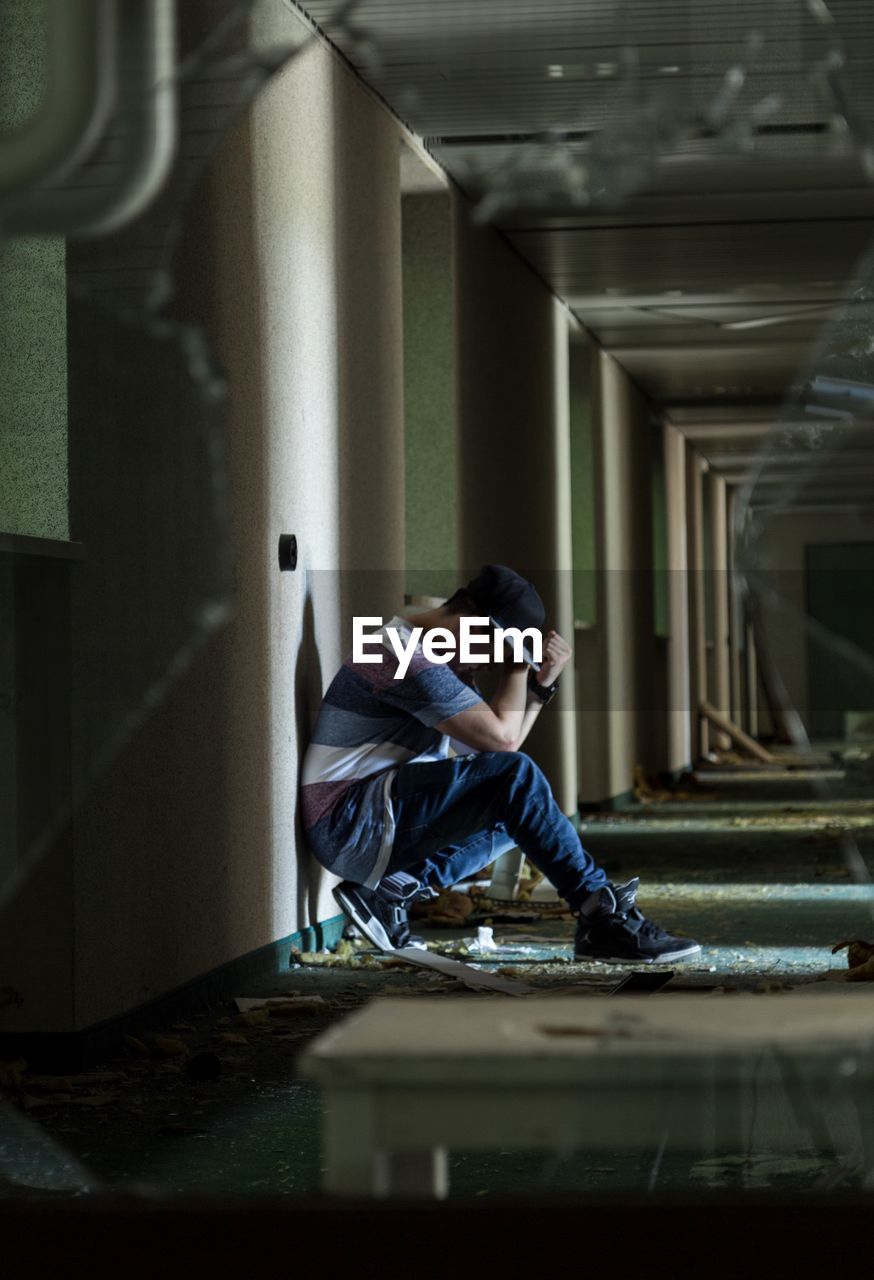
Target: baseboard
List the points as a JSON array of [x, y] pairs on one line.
[[608, 805], [80, 1050], [625, 799], [672, 776]]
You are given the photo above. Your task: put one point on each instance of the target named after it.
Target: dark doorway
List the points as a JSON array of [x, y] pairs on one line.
[[840, 604]]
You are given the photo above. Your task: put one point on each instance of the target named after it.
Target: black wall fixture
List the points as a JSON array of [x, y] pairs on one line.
[[287, 552]]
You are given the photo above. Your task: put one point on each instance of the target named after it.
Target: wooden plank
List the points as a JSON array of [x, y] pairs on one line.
[[737, 735]]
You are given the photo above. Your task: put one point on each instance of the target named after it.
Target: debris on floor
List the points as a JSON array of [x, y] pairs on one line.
[[530, 878], [449, 908], [348, 954], [11, 1073], [281, 1006], [484, 942], [860, 962], [492, 911], [646, 791], [761, 882], [468, 975]]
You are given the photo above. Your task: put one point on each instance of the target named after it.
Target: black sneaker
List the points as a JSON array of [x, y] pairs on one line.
[[612, 929], [380, 915]]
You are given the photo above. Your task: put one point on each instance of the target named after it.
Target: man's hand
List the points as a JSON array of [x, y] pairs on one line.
[[557, 654]]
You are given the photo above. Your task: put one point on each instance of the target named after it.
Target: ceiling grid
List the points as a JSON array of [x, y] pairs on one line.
[[712, 275]]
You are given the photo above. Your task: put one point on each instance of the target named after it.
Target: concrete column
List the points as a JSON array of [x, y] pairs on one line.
[[719, 694], [622, 655], [564, 706], [679, 723], [735, 605], [695, 468], [513, 448], [290, 264], [752, 685], [617, 612]]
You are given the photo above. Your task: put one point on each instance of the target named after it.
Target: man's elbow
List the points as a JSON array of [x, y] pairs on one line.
[[507, 741]]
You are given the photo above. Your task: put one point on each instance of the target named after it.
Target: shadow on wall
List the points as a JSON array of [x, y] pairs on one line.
[[307, 699]]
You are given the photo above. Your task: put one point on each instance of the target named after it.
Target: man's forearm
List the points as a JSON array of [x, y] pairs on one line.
[[532, 711], [510, 699], [514, 705]]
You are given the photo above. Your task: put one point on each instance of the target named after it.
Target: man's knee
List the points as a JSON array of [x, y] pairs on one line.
[[516, 764]]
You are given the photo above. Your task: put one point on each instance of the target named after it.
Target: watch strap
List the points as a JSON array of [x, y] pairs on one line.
[[543, 692]]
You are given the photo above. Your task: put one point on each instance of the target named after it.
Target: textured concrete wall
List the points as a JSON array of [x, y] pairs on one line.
[[621, 663], [188, 851], [514, 448], [33, 358], [429, 397], [36, 932]]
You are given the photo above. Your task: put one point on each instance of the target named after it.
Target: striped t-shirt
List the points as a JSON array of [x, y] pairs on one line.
[[369, 723]]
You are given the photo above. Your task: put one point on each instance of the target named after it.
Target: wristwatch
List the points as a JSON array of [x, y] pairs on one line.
[[543, 692]]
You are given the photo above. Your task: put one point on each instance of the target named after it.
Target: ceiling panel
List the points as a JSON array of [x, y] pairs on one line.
[[714, 373], [698, 259], [716, 225]]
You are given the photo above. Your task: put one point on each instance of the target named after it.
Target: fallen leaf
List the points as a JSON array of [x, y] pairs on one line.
[[294, 1008], [858, 951], [170, 1046], [138, 1046]]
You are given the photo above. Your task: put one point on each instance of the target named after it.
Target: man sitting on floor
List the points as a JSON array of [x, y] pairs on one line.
[[414, 784]]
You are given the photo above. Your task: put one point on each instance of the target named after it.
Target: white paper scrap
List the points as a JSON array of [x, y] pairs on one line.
[[465, 973], [485, 940]]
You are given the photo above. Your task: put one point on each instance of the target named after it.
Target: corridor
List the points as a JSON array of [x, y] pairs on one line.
[[752, 862]]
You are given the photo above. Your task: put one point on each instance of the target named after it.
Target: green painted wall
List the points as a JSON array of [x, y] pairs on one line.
[[582, 482], [33, 324], [429, 397]]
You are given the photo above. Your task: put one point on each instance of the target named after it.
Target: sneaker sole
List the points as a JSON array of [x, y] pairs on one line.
[[666, 958], [363, 919]]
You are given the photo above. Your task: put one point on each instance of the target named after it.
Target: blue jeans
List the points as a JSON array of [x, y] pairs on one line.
[[453, 817]]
